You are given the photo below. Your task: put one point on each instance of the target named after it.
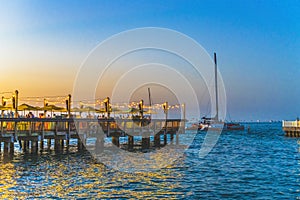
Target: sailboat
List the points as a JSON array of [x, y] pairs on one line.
[[214, 123]]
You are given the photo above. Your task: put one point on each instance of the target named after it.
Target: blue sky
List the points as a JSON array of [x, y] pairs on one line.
[[257, 43]]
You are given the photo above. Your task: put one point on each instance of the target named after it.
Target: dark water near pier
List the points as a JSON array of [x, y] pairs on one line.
[[262, 164]]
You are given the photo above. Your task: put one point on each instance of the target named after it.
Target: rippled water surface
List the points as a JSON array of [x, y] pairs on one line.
[[262, 164]]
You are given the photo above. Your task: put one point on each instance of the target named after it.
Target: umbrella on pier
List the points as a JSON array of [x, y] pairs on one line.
[[25, 106], [150, 112], [76, 109], [5, 108], [132, 110], [116, 110], [102, 110], [136, 110], [89, 109], [53, 108]]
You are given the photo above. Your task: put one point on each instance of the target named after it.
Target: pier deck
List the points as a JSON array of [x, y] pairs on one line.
[[291, 128], [32, 133]]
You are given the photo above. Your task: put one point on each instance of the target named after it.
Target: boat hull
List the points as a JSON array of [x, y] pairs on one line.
[[221, 127]]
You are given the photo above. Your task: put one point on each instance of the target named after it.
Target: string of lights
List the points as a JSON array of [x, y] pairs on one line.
[[99, 102], [1, 93]]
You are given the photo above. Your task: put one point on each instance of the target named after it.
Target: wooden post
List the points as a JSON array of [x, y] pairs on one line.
[[99, 145], [165, 138], [166, 109], [49, 144], [172, 132], [79, 144], [33, 146], [62, 143], [157, 139], [12, 148], [68, 124], [41, 144], [28, 142], [5, 148], [36, 146], [108, 128], [165, 133], [145, 143], [56, 128], [68, 144], [130, 142], [42, 137], [116, 140], [56, 142], [16, 112], [68, 137], [2, 115], [30, 128], [24, 145], [16, 103]]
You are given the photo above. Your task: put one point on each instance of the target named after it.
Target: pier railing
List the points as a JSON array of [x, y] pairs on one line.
[[41, 125], [33, 131], [291, 128], [290, 124]]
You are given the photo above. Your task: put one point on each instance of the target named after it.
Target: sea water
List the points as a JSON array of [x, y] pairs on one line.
[[261, 164]]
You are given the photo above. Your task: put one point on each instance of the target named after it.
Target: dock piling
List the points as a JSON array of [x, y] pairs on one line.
[[130, 142], [5, 148], [157, 139], [30, 134], [12, 148]]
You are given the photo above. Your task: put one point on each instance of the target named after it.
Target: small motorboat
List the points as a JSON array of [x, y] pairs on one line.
[[233, 126], [194, 126], [218, 125]]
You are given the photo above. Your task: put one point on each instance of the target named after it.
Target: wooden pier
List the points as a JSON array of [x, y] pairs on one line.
[[291, 128], [38, 134]]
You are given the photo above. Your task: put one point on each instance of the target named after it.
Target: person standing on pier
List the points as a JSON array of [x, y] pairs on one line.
[[30, 115]]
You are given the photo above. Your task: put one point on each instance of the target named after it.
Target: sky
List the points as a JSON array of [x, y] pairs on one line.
[[44, 43]]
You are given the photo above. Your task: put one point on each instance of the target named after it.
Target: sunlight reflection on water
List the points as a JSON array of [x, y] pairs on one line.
[[262, 164]]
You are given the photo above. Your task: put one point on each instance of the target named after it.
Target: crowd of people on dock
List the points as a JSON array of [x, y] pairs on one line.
[[61, 115]]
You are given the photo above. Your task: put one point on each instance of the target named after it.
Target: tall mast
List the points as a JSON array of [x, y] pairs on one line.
[[216, 87], [149, 96]]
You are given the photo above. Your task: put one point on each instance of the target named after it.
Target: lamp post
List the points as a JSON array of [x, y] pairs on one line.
[[69, 106], [15, 102], [107, 106], [141, 108], [165, 107]]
